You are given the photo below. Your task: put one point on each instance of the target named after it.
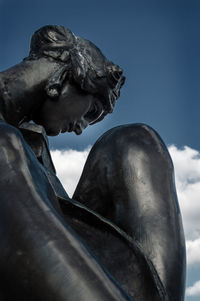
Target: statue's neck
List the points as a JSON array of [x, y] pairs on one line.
[[22, 89]]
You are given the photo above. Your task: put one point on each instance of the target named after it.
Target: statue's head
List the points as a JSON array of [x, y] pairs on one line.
[[82, 65]]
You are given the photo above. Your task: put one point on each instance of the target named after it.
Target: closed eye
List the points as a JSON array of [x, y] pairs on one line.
[[95, 111]]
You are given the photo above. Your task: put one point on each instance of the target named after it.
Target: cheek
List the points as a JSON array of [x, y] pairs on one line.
[[74, 110], [47, 116], [83, 106], [52, 111], [69, 109]]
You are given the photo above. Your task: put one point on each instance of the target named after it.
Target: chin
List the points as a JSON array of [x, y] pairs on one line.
[[52, 132], [78, 133]]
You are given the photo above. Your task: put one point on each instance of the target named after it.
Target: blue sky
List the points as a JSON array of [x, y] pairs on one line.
[[156, 42]]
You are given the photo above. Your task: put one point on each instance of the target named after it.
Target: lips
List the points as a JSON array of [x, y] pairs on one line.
[[76, 127], [64, 129], [68, 127], [71, 127]]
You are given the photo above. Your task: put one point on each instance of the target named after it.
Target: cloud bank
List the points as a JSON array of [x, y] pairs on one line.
[[187, 174], [69, 165], [194, 290]]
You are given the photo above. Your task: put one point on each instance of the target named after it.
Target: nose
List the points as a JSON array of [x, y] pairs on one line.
[[81, 125]]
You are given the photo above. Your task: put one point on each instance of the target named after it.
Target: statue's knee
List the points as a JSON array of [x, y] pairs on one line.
[[133, 139], [127, 153]]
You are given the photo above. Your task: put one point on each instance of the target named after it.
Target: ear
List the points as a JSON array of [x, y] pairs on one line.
[[55, 82]]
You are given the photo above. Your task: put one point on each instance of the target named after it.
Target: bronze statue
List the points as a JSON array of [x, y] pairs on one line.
[[120, 237]]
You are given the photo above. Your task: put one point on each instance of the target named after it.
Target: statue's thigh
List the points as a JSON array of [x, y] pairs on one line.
[[128, 178]]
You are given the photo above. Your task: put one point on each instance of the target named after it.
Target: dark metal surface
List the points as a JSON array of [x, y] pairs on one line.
[[135, 191], [121, 236]]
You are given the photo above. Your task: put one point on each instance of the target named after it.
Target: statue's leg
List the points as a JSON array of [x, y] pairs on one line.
[[41, 258], [129, 179]]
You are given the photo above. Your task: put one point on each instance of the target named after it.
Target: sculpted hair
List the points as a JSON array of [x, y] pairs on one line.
[[83, 63]]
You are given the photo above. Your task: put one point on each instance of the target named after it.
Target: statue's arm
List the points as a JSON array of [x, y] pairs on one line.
[[41, 258]]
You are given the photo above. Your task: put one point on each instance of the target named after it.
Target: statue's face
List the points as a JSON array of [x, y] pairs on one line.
[[73, 110]]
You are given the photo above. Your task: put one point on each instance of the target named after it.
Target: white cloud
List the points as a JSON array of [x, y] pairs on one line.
[[194, 290], [69, 165], [193, 252], [187, 174]]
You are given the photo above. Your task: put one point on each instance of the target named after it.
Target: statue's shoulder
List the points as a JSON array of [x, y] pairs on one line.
[[13, 146], [27, 135], [9, 133]]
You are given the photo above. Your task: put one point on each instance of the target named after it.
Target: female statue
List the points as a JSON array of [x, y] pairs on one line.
[[120, 237]]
